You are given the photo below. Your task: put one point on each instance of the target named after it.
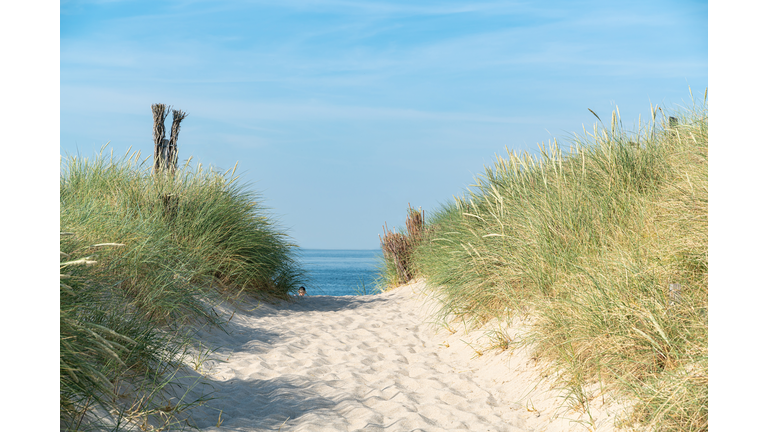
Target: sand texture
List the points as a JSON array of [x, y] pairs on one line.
[[371, 363]]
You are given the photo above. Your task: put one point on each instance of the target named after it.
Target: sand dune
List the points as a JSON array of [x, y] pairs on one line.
[[370, 363]]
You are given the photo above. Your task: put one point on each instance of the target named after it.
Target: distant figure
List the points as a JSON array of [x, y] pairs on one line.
[[302, 292]]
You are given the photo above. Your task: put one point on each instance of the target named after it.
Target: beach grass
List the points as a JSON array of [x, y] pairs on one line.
[[604, 249], [388, 276], [144, 257]]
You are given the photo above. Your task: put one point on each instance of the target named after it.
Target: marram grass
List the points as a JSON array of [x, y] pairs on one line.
[[588, 243], [143, 256]]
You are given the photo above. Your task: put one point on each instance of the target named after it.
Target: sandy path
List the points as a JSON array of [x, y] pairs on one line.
[[367, 363]]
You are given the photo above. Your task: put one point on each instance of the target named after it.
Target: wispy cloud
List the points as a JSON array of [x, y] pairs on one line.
[[379, 8], [249, 112], [350, 53]]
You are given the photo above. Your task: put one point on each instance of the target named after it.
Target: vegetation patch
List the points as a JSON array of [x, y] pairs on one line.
[[398, 266], [143, 257], [605, 246]]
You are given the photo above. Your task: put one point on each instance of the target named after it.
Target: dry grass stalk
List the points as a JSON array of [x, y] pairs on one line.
[[398, 247], [414, 223], [395, 247]]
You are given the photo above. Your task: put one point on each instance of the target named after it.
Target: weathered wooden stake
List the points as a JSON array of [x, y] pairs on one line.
[[159, 113], [170, 204], [173, 148], [166, 150]]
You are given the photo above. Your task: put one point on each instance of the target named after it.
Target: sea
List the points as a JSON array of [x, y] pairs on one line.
[[335, 272]]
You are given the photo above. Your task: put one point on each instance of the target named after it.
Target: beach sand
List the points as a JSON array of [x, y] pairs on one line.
[[372, 363]]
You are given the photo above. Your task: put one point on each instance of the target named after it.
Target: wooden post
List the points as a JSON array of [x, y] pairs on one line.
[[173, 149], [159, 113], [161, 152], [166, 151], [170, 204]]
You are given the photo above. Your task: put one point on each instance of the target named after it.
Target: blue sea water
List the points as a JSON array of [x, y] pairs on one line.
[[340, 272]]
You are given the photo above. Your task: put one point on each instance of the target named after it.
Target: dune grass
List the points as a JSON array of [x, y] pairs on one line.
[[143, 258], [587, 244]]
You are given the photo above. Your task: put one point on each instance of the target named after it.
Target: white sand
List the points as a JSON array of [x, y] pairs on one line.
[[371, 363]]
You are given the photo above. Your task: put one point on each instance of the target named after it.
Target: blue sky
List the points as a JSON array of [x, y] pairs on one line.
[[341, 113]]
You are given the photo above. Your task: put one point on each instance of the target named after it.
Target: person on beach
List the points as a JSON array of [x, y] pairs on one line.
[[302, 292]]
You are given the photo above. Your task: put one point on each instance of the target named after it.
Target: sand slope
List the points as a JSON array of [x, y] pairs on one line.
[[370, 363]]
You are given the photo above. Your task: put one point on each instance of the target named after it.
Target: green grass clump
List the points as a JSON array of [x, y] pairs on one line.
[[589, 243], [143, 258]]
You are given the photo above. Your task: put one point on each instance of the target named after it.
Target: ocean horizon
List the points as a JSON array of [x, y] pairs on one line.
[[341, 272]]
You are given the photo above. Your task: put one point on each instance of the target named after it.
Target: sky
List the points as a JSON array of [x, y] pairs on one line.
[[341, 113]]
